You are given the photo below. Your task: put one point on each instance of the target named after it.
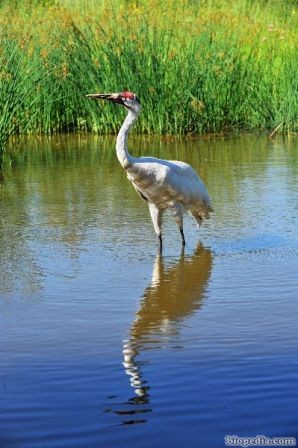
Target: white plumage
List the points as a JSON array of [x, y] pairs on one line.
[[162, 183]]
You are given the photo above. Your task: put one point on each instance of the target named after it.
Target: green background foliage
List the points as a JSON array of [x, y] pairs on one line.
[[198, 66]]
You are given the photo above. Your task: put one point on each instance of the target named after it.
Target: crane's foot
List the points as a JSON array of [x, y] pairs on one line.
[[182, 236]]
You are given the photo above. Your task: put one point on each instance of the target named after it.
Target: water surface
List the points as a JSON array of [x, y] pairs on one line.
[[104, 342]]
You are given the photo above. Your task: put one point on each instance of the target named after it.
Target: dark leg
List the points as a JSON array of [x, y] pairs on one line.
[[160, 243], [182, 236]]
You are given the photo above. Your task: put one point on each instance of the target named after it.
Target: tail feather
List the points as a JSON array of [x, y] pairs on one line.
[[198, 219], [202, 213]]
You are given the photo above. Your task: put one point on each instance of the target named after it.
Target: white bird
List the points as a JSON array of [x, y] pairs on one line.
[[162, 183]]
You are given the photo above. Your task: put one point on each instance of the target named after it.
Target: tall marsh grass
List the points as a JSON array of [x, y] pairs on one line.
[[198, 66]]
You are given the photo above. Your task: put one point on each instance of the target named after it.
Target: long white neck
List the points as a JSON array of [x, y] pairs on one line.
[[123, 155]]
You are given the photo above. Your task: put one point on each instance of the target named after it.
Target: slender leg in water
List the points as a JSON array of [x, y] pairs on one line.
[[156, 216], [182, 236], [160, 243], [178, 215]]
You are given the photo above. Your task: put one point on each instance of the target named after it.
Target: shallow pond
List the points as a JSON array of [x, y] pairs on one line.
[[104, 343]]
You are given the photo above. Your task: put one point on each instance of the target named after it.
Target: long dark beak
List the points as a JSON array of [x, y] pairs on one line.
[[114, 97]]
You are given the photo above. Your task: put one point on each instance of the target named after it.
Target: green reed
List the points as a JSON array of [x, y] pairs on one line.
[[23, 92], [203, 67], [12, 92]]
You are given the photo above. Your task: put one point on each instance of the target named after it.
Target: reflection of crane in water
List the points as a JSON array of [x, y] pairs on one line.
[[176, 291]]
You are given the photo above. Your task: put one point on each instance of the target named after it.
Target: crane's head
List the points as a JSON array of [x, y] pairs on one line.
[[127, 99]]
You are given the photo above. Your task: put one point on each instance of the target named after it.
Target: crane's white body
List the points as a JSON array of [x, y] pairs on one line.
[[163, 183]]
